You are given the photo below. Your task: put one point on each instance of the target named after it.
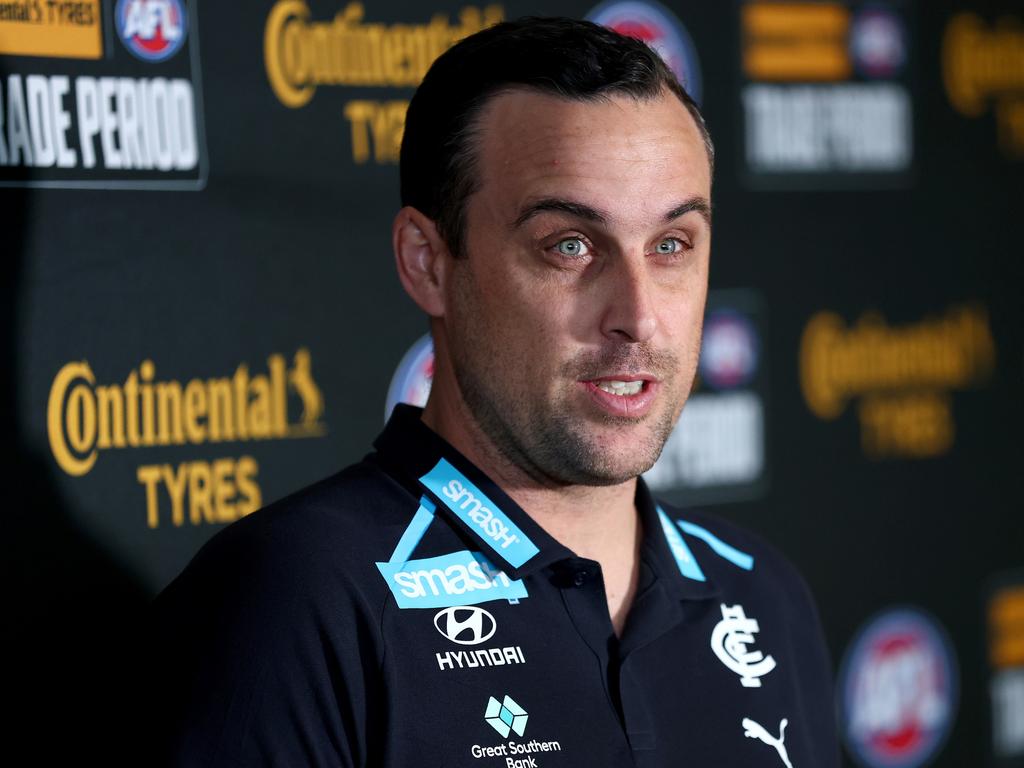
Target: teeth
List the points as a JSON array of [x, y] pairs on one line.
[[621, 388]]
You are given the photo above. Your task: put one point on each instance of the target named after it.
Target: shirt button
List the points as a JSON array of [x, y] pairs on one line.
[[580, 578]]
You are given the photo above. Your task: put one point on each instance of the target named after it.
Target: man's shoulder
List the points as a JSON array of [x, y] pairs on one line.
[[351, 508], [736, 557], [325, 536]]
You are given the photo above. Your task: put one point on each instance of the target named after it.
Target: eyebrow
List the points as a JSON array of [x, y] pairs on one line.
[[586, 212], [579, 210], [698, 204]]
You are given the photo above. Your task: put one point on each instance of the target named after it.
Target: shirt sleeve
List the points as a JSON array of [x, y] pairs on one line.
[[264, 655]]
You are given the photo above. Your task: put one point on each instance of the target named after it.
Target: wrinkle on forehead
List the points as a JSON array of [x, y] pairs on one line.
[[617, 153]]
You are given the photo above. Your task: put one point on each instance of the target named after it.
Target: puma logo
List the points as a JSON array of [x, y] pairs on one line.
[[754, 730]]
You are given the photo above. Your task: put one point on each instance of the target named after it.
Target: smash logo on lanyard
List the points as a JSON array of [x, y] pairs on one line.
[[475, 509], [456, 579]]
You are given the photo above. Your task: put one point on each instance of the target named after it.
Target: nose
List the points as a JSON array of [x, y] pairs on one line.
[[630, 310]]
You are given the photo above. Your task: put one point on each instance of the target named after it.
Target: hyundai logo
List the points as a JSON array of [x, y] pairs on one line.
[[465, 625]]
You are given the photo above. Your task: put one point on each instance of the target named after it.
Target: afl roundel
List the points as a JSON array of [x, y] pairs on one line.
[[153, 30], [878, 42], [729, 349], [660, 29], [898, 690], [413, 377], [465, 625]]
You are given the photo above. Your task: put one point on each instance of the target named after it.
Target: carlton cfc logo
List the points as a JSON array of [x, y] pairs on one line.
[[898, 690], [153, 30], [660, 29]]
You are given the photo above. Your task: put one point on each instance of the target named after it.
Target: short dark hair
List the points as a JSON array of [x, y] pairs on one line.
[[569, 58]]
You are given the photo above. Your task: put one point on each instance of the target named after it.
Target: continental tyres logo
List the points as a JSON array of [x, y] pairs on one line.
[[901, 376], [983, 65], [301, 54], [85, 418], [67, 30]]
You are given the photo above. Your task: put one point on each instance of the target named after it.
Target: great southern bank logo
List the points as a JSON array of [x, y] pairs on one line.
[[152, 30], [506, 716]]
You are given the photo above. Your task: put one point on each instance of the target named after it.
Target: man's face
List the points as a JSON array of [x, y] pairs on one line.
[[574, 320]]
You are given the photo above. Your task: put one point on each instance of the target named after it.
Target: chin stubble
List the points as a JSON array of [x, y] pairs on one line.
[[552, 446]]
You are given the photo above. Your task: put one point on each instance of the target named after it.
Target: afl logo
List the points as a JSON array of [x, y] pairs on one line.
[[153, 30], [660, 29], [729, 351], [898, 690], [878, 42], [465, 625], [412, 380]]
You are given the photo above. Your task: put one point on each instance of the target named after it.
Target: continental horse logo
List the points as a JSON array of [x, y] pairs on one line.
[[84, 418], [301, 379]]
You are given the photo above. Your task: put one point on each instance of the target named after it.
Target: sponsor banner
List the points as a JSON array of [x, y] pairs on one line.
[[146, 414], [52, 29], [1005, 612], [716, 453], [657, 26], [128, 115], [825, 95], [901, 376], [983, 71], [360, 55], [898, 690], [461, 578]]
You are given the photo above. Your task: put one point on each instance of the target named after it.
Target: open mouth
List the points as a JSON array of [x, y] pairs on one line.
[[623, 395], [621, 388]]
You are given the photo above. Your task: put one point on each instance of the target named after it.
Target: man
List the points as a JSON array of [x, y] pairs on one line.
[[494, 586]]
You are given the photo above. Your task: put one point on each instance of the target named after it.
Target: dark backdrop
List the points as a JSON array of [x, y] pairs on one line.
[[867, 294]]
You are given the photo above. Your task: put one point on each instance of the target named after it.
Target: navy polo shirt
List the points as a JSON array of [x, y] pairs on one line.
[[406, 612]]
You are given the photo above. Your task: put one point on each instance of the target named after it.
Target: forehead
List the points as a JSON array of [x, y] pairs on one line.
[[631, 157]]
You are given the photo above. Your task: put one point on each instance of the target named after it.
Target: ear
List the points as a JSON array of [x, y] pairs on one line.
[[422, 257]]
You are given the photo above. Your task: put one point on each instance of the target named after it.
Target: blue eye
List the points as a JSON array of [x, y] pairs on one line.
[[668, 246], [571, 246]]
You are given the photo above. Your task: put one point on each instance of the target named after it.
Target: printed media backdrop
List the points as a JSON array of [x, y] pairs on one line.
[[204, 316]]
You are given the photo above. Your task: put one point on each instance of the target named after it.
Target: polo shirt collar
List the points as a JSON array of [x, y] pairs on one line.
[[426, 465], [683, 580]]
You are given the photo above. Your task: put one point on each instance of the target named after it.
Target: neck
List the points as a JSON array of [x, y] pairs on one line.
[[595, 522]]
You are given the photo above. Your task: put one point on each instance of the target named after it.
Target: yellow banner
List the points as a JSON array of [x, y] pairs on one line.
[[64, 30], [1006, 627], [796, 41]]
